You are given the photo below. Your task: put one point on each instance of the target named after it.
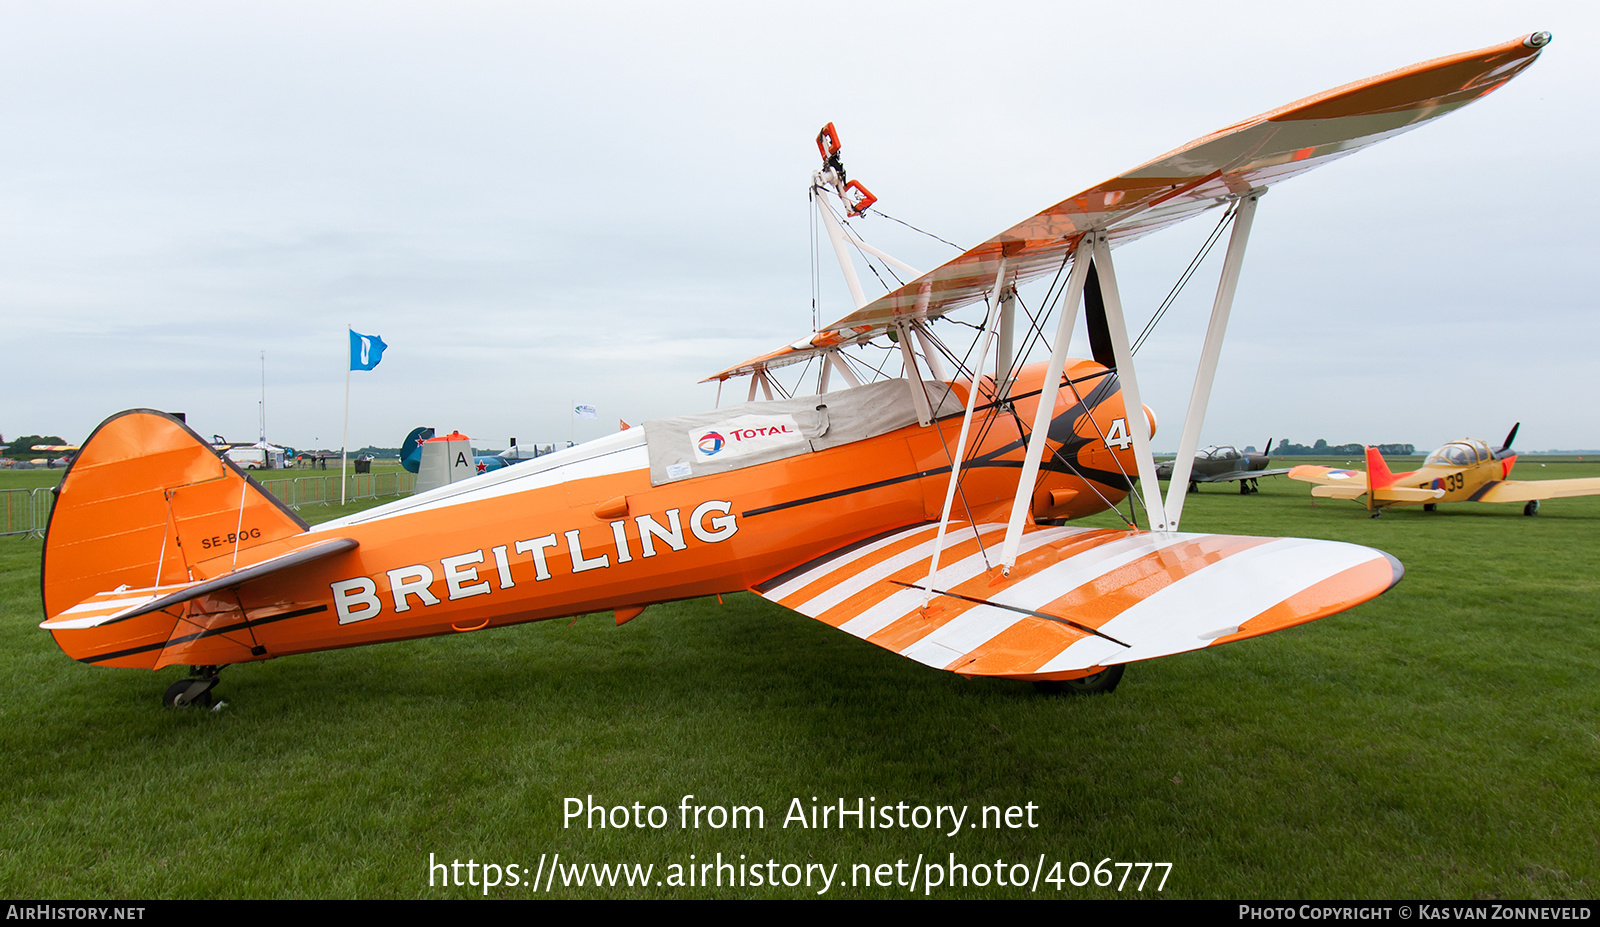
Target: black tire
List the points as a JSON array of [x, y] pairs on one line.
[[1430, 506], [169, 699], [1531, 509], [1103, 682]]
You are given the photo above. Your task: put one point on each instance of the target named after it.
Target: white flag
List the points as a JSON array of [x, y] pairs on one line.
[[584, 410]]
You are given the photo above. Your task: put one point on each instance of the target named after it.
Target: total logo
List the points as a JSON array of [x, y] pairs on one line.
[[711, 442], [743, 435]]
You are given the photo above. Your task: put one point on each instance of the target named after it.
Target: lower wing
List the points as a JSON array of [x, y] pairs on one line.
[[1529, 490], [1078, 599], [1237, 475]]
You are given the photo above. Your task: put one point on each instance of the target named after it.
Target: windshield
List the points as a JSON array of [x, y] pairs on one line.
[[1451, 455]]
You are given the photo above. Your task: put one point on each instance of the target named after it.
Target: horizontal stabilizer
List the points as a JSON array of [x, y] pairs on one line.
[[1329, 476], [1078, 599], [124, 603], [1407, 494]]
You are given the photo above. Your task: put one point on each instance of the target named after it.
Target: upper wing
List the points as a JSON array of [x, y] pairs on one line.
[[1186, 182], [1078, 598], [1529, 490]]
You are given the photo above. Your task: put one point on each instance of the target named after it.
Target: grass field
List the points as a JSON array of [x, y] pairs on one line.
[[1442, 741]]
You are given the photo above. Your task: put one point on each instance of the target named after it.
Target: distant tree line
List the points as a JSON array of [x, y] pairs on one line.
[[1324, 449]]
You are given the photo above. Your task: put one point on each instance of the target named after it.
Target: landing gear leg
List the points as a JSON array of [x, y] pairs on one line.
[[1104, 681], [1244, 487], [196, 690]]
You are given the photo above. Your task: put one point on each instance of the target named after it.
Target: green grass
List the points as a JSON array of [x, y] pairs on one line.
[[1442, 741]]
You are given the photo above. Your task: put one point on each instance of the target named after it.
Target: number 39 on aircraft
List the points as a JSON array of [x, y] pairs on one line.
[[1461, 471], [927, 513]]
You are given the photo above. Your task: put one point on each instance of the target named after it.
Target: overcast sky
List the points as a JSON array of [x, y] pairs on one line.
[[604, 203]]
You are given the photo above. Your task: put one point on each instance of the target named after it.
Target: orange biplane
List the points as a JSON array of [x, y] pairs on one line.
[[924, 513]]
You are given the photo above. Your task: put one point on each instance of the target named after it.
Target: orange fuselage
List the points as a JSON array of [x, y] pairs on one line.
[[490, 552]]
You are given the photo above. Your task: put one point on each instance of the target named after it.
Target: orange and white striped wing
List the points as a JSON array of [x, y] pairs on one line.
[[1184, 183], [1078, 599]]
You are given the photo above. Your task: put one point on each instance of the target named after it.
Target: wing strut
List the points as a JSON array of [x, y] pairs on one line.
[[1138, 425], [1209, 353], [919, 392], [1070, 297], [973, 401], [836, 236], [1003, 359], [930, 355]]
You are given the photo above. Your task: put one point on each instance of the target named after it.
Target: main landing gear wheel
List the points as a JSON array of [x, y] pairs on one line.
[[195, 690], [1430, 506], [1531, 509], [1104, 681]]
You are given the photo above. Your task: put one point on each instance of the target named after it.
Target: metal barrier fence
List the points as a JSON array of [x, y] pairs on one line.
[[317, 490], [26, 511]]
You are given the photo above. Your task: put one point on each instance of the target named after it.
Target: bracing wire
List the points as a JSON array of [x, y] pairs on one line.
[[915, 229], [865, 257], [1183, 279], [816, 266]]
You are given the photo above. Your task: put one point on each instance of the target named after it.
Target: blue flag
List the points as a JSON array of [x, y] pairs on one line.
[[365, 350]]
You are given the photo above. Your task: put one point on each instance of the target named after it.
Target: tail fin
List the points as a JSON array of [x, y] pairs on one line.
[[1378, 475], [147, 502], [410, 453]]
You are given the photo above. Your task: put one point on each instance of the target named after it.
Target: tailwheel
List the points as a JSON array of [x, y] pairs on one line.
[[195, 690], [1104, 681], [1531, 509]]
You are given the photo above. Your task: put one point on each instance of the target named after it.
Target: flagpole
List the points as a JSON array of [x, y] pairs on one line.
[[344, 442]]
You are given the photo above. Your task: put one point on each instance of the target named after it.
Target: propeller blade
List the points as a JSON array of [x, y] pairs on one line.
[[1094, 316], [1505, 449]]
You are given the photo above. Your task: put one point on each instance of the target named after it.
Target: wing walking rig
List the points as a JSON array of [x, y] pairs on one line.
[[856, 506]]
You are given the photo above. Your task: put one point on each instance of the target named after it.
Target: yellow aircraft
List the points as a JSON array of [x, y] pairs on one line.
[[1461, 471]]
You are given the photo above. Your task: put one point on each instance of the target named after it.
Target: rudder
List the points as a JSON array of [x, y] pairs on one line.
[[149, 502]]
